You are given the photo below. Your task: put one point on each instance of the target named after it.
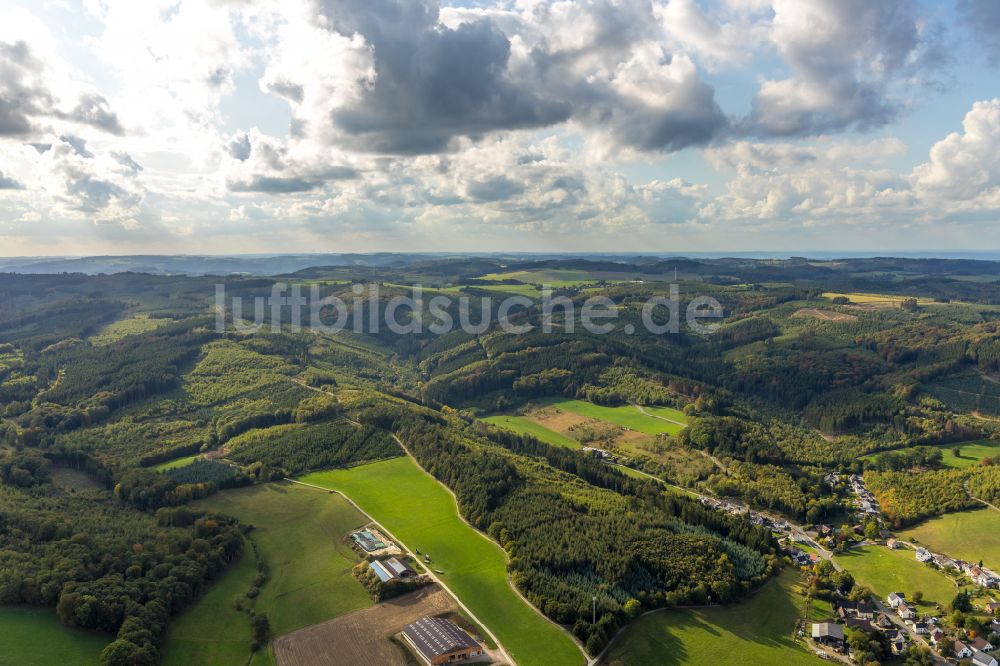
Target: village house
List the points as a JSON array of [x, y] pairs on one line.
[[891, 544], [862, 610], [980, 644], [983, 659], [924, 555], [993, 607], [897, 640], [895, 598], [905, 612], [936, 637], [962, 651]]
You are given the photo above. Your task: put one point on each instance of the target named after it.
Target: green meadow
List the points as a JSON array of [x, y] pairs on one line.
[[212, 631], [970, 453], [525, 426], [35, 637], [967, 535], [884, 571], [176, 462], [759, 631], [628, 416], [302, 536], [418, 510]]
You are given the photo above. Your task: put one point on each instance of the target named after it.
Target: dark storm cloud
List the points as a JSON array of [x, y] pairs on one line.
[[7, 183], [432, 83], [983, 18]]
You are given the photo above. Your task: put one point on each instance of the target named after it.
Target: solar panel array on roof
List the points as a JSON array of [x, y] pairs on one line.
[[435, 636], [368, 541]]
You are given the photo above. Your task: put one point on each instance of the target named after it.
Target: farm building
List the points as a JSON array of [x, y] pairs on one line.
[[369, 540], [399, 569], [828, 633], [381, 571], [440, 641]]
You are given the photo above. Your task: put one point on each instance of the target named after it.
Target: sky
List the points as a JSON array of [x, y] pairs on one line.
[[260, 126]]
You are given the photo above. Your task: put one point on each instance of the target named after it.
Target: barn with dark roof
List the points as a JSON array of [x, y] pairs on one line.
[[440, 641]]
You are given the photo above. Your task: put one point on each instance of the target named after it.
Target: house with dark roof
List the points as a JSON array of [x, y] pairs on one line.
[[440, 641]]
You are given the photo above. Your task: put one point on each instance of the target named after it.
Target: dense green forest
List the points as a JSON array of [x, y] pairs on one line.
[[114, 375]]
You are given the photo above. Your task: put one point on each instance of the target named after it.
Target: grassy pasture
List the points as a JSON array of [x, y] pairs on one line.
[[299, 533], [211, 630], [301, 536], [35, 637], [176, 462], [525, 426], [557, 277], [628, 416], [967, 535], [418, 510], [884, 571], [970, 453], [758, 631]]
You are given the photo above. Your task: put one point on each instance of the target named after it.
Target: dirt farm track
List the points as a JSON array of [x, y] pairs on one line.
[[361, 638]]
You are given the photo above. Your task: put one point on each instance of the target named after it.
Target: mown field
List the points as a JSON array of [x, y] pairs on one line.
[[968, 535], [525, 426], [884, 571], [300, 535], [970, 453], [759, 631], [627, 416], [35, 637], [418, 510]]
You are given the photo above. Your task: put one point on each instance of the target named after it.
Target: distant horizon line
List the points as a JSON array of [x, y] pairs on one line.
[[853, 254]]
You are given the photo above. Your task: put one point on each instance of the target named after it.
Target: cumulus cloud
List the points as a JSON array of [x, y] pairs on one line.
[[807, 183], [408, 78], [430, 83], [964, 167], [844, 56], [23, 97], [261, 163], [28, 100]]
